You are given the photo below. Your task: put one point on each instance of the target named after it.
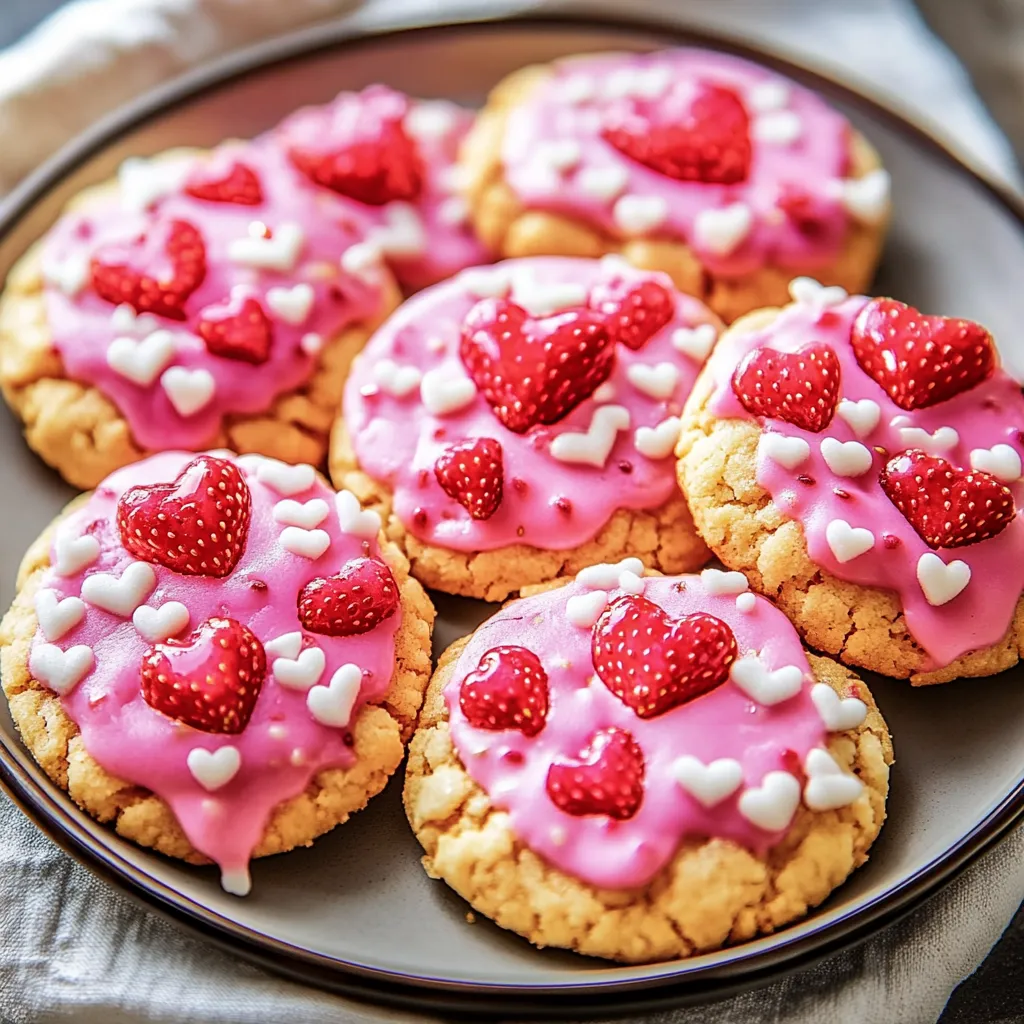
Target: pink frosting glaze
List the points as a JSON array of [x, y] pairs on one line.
[[991, 413], [397, 440], [724, 723], [82, 325], [437, 127], [560, 111], [283, 746]]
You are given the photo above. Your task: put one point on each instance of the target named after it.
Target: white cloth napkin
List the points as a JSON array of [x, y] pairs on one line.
[[73, 948]]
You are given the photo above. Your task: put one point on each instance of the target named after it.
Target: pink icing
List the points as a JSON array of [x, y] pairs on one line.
[[397, 440], [725, 723], [283, 746], [437, 128], [989, 414], [814, 162]]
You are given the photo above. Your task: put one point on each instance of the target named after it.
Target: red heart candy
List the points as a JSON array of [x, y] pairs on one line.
[[237, 329], [239, 185]]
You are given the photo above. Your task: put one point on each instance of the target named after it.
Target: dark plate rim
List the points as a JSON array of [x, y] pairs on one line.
[[601, 991]]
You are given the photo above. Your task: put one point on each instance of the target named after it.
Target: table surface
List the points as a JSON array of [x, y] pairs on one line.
[[995, 993]]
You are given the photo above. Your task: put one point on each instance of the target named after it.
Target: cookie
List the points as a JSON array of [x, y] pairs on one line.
[[860, 462], [390, 161], [197, 302], [644, 768], [719, 172], [516, 423], [187, 658]]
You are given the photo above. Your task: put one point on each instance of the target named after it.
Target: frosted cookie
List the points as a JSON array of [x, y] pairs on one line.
[[644, 769], [206, 654], [390, 160], [202, 300], [861, 463], [720, 172], [517, 423]]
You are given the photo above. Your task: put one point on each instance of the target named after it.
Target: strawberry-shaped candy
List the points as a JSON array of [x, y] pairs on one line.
[[155, 274], [196, 525], [473, 473], [799, 387], [534, 371], [701, 136], [237, 329], [607, 778], [355, 600], [654, 663], [920, 360], [209, 681], [948, 507], [507, 690], [239, 185], [635, 310]]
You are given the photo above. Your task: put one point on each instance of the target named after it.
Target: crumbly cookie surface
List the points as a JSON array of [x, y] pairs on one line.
[[511, 228], [712, 892]]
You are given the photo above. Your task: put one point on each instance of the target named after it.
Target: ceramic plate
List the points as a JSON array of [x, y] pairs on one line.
[[356, 911]]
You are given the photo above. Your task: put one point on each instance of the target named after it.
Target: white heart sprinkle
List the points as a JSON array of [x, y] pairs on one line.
[[593, 447], [721, 231], [710, 783], [778, 127], [583, 610], [120, 595], [302, 672], [809, 292], [56, 616], [605, 575], [143, 361], [848, 542], [214, 768], [453, 211], [394, 379], [362, 260], [306, 514], [1001, 461], [746, 603], [311, 343], [60, 670], [651, 82], [278, 252], [142, 182], [159, 624], [658, 381], [188, 390], [353, 520], [560, 154], [285, 479], [486, 283], [291, 304], [74, 553], [577, 89], [287, 645], [942, 440], [846, 458], [332, 705], [861, 417], [309, 544], [603, 183], [236, 881], [941, 582], [769, 95], [637, 215], [718, 583], [658, 442], [838, 713], [631, 582], [788, 452], [605, 393], [766, 687], [695, 342], [867, 198], [444, 390], [124, 320], [771, 805], [430, 120], [828, 786], [403, 234], [70, 274], [542, 298]]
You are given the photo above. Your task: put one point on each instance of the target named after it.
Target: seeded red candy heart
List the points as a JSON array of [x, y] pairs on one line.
[[473, 473], [507, 690], [799, 387], [239, 185], [356, 600], [920, 360], [534, 371], [946, 506], [209, 681], [635, 310], [654, 663], [702, 137], [155, 274], [237, 329], [607, 778], [197, 525]]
